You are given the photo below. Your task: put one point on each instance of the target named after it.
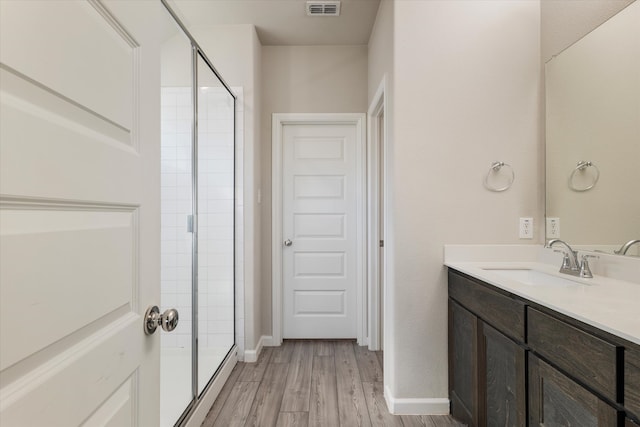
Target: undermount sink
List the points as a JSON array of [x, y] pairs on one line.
[[532, 277]]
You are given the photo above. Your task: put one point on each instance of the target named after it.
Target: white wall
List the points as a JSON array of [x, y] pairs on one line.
[[466, 81], [303, 79], [235, 52]]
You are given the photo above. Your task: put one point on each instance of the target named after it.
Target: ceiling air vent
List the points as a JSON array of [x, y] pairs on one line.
[[323, 8]]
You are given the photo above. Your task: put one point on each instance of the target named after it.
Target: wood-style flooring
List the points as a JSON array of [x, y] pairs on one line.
[[311, 383]]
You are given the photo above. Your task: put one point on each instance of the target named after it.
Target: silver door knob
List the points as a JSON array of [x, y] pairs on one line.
[[167, 320], [288, 242]]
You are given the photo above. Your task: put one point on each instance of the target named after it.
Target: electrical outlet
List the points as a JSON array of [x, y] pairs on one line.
[[526, 228], [553, 228]]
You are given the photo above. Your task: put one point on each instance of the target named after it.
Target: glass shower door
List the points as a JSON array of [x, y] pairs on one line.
[[216, 188], [197, 224]]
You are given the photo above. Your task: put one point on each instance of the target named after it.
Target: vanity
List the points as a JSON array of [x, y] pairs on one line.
[[531, 346]]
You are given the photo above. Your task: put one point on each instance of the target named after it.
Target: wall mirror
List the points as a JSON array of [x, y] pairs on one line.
[[593, 116]]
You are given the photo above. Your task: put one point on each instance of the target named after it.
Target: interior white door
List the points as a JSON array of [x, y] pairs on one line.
[[79, 206], [319, 223]]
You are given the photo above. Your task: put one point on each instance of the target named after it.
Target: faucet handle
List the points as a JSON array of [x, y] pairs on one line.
[[566, 264], [585, 271]]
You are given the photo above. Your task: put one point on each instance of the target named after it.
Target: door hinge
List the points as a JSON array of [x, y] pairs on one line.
[[382, 243], [189, 223]]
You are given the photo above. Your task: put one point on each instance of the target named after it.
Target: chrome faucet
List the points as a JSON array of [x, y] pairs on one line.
[[570, 264], [623, 250], [570, 260]]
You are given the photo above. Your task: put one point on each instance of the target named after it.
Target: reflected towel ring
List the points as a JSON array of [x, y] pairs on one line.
[[495, 168], [581, 166]]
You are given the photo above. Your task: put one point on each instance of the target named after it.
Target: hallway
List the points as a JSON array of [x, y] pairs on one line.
[[311, 383]]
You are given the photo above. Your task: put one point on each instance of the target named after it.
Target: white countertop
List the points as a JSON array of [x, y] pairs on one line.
[[607, 303]]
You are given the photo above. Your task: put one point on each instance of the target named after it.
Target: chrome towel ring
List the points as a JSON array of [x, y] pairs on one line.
[[581, 167], [494, 169]]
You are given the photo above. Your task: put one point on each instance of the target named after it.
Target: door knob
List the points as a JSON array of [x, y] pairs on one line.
[[167, 320], [288, 242]]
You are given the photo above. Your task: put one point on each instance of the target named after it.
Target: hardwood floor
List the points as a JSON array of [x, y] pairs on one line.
[[311, 383]]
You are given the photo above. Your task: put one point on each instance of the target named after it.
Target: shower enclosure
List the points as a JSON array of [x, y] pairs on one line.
[[197, 223]]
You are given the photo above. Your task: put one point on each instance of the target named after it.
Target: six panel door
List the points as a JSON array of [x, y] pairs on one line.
[[319, 219]]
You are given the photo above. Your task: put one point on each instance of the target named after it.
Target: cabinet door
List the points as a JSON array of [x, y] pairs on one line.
[[463, 358], [632, 380], [556, 400], [502, 376]]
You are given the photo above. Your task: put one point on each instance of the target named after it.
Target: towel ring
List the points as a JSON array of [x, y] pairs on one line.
[[581, 166], [495, 168]]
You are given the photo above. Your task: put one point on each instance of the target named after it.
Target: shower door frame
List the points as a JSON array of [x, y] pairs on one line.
[[197, 409]]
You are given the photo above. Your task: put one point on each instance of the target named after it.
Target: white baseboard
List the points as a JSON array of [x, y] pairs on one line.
[[251, 356], [206, 401], [416, 406]]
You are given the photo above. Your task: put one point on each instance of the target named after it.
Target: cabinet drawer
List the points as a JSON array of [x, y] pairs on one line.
[[582, 355], [504, 313], [632, 380]]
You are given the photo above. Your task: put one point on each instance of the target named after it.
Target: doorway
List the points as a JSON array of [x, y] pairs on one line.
[[376, 216], [318, 220]]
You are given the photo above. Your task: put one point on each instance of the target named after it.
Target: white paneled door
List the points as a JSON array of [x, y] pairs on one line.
[[319, 230], [79, 199]]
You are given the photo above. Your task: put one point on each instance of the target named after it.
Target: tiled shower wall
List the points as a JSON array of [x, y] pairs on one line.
[[216, 198]]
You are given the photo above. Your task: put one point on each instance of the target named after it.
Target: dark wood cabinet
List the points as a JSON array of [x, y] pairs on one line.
[[556, 400], [502, 380], [632, 381], [629, 423], [463, 365], [487, 366]]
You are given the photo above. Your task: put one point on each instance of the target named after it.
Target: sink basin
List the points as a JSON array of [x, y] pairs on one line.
[[532, 277]]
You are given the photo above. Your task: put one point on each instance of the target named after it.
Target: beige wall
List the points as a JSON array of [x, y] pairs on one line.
[[303, 79], [236, 53], [259, 325], [466, 93]]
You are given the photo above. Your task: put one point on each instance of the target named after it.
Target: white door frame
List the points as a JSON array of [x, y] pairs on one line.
[[377, 107], [279, 120]]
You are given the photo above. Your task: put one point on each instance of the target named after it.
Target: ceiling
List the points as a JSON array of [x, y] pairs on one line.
[[284, 22]]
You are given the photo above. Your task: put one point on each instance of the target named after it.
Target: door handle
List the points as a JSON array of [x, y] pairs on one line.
[[288, 242], [167, 320]]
